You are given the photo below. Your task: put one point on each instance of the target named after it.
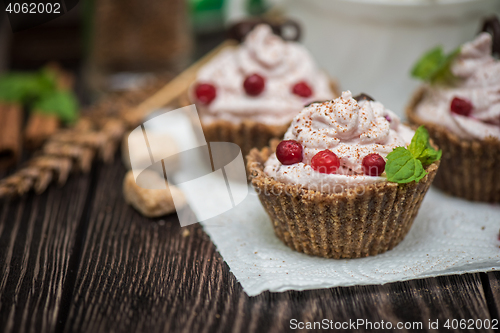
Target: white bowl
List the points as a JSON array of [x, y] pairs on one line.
[[370, 46]]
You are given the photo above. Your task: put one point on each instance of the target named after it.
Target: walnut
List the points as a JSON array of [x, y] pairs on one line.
[[149, 202]]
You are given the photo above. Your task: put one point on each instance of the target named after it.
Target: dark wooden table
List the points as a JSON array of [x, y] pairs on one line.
[[78, 259]]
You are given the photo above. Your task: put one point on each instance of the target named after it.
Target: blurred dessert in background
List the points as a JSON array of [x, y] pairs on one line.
[[370, 45], [460, 105], [249, 94]]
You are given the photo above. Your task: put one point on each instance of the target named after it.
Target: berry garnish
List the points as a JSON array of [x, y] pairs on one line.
[[289, 152], [373, 165], [387, 118], [254, 84], [461, 106], [302, 89], [205, 93], [325, 162]]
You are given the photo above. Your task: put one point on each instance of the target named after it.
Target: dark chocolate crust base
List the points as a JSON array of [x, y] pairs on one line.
[[361, 222], [470, 169]]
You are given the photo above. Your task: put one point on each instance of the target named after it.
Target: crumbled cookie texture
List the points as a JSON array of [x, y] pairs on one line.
[[151, 203]]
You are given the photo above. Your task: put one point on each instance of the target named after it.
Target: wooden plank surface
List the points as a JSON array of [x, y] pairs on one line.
[[138, 274], [37, 237], [143, 275], [78, 259], [492, 291]]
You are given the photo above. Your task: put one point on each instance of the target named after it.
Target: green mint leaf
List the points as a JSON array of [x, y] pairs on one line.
[[40, 92], [419, 171], [434, 66], [400, 166], [26, 87], [419, 142], [443, 74], [15, 87], [60, 103], [407, 165], [428, 64], [420, 147], [430, 156], [44, 83]]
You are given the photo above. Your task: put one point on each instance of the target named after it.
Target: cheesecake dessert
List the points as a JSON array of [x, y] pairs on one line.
[[459, 104], [248, 94], [347, 180]]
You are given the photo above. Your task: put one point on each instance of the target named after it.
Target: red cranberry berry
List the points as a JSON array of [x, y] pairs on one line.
[[205, 93], [461, 106], [254, 84], [302, 89], [289, 152], [325, 162], [373, 165]]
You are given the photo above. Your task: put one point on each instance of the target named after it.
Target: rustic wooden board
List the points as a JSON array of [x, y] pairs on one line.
[[37, 238], [143, 275], [459, 297], [492, 291], [79, 259]]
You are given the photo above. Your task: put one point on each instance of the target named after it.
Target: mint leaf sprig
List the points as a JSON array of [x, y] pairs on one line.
[[39, 91], [435, 66], [61, 103], [26, 87], [405, 165]]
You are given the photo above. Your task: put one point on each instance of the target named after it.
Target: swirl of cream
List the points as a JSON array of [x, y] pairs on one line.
[[264, 48], [351, 130], [479, 82], [281, 63]]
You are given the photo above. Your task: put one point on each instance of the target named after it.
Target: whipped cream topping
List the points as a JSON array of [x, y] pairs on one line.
[[348, 128], [281, 63], [478, 76]]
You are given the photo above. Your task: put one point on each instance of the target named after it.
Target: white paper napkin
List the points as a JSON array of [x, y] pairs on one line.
[[449, 236]]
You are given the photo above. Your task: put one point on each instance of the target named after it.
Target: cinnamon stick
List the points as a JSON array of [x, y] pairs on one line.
[[10, 134], [41, 126]]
